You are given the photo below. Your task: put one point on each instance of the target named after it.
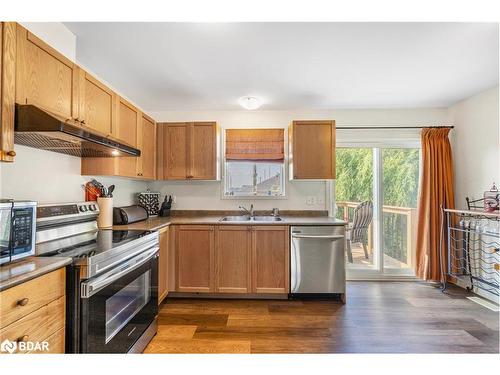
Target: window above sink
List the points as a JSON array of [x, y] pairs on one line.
[[254, 179], [254, 163]]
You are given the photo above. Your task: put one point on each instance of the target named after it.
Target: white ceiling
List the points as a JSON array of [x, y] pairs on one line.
[[208, 66]]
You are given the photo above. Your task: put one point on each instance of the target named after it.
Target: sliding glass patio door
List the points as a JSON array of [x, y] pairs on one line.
[[384, 177]]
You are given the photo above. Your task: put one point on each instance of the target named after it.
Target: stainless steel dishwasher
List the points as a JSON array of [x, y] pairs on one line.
[[318, 261]]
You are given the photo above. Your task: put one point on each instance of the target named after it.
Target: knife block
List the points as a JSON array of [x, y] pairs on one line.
[[105, 218]]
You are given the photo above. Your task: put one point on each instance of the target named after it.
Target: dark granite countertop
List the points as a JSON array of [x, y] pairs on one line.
[[27, 269], [214, 218]]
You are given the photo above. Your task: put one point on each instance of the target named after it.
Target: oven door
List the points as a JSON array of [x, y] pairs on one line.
[[119, 306]]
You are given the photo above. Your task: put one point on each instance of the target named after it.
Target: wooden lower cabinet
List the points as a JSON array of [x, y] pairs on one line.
[[241, 259], [194, 247], [55, 343], [270, 259], [34, 312], [233, 259], [163, 264]]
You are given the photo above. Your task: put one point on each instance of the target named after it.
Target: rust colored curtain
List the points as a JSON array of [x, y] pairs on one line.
[[255, 144], [436, 189]]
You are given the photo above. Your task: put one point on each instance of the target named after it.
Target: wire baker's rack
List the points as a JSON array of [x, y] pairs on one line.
[[473, 244]]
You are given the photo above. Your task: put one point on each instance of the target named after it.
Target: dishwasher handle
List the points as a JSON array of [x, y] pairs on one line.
[[332, 237]]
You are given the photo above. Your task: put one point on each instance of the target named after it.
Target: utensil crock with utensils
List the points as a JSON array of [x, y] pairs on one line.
[[105, 218]]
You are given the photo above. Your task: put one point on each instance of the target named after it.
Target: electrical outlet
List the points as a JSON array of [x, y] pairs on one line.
[[310, 201]]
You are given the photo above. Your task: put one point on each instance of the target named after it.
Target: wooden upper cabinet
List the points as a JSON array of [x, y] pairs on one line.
[[194, 249], [44, 77], [173, 151], [127, 128], [187, 150], [147, 145], [270, 259], [233, 259], [97, 109], [203, 161], [312, 150], [126, 122], [8, 36], [47, 79]]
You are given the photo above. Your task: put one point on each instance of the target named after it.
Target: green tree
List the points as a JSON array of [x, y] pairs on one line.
[[354, 174], [400, 180]]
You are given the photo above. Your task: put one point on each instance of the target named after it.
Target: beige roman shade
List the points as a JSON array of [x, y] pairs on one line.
[[255, 144]]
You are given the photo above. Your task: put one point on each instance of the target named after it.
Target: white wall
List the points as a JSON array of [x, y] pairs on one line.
[[56, 34], [49, 177], [476, 145], [207, 195]]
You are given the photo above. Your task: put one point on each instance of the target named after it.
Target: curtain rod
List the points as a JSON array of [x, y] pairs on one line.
[[395, 127]]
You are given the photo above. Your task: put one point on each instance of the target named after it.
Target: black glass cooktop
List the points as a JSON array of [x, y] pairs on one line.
[[86, 245]]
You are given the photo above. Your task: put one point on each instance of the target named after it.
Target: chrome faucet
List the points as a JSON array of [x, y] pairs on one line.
[[250, 211]]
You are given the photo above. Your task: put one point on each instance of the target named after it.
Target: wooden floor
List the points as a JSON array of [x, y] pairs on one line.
[[379, 317]]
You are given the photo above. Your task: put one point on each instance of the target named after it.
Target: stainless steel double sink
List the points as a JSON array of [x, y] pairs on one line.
[[245, 218]]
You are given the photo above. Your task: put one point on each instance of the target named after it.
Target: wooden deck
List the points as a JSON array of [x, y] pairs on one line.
[[358, 259], [379, 317]]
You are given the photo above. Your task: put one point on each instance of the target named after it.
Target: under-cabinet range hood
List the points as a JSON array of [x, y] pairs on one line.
[[37, 128]]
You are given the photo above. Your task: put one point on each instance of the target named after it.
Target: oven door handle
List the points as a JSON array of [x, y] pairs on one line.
[[91, 287]]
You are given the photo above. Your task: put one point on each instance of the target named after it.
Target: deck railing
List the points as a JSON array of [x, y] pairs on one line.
[[406, 255]]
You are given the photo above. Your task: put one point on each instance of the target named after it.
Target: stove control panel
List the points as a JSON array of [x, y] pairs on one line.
[[68, 209]]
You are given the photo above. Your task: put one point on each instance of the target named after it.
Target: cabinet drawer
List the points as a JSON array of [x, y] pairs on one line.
[[23, 299], [56, 343], [39, 325]]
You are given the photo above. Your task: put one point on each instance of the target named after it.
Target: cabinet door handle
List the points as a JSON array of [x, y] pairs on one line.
[[83, 122], [23, 338], [23, 302], [189, 176]]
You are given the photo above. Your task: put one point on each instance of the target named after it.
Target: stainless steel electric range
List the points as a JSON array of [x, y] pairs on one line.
[[112, 284]]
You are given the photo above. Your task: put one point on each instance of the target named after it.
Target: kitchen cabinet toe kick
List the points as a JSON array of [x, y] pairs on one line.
[[279, 296]]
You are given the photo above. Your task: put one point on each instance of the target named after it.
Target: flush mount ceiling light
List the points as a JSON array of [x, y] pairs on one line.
[[250, 102]]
